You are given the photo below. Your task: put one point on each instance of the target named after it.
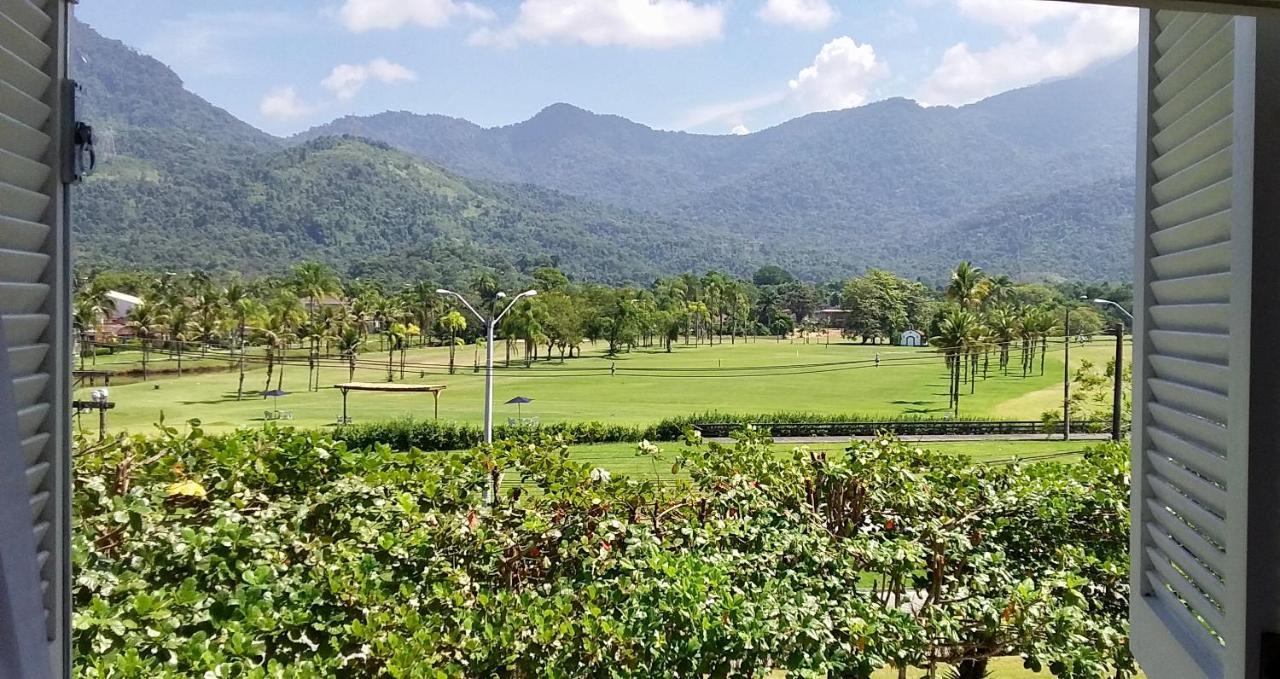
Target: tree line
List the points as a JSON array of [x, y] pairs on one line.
[[313, 309]]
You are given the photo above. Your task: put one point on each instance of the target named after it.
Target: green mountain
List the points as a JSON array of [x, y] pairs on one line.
[[1017, 182]]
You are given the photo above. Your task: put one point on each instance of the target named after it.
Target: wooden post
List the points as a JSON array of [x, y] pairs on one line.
[[435, 397]]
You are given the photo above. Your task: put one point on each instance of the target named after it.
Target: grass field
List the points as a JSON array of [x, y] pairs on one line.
[[759, 376]]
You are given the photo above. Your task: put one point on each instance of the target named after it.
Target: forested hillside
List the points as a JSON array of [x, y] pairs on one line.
[[1026, 181]]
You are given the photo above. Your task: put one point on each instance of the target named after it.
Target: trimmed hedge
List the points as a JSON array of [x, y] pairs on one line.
[[406, 433], [429, 435]]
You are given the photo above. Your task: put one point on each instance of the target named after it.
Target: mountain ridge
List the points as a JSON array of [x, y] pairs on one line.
[[827, 194]]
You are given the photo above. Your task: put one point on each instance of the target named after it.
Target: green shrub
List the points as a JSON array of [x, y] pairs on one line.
[[281, 553]]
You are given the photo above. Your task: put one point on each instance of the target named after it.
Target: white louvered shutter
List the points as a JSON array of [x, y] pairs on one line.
[[34, 318], [1195, 610]]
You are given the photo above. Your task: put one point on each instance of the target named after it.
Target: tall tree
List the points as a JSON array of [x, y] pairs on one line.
[[145, 321], [453, 323]]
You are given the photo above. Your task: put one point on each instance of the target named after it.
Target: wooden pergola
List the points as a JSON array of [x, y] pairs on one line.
[[386, 387]]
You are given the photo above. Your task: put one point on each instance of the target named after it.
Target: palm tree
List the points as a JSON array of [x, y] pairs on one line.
[[956, 340], [396, 334], [314, 330], [1004, 326], [240, 304], [178, 322], [314, 281], [92, 304], [276, 330], [453, 323], [967, 286], [145, 321], [350, 340]]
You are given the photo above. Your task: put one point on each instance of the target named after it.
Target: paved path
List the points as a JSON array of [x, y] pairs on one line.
[[932, 438]]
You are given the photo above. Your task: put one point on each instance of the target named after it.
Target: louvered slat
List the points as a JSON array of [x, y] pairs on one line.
[[1202, 346], [1206, 579], [1215, 228], [1208, 524], [1188, 591], [1205, 462], [1210, 319], [1205, 491], [1202, 203], [1209, 376], [1162, 520], [1199, 61], [1194, 262], [1182, 101], [1199, 402], [21, 266], [1202, 143], [1189, 427]]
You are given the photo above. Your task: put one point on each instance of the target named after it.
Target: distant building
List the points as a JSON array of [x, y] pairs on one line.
[[911, 338], [124, 303], [324, 302], [833, 317]]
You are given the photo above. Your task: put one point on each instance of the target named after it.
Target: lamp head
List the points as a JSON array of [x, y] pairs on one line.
[[528, 293], [442, 291], [501, 295]]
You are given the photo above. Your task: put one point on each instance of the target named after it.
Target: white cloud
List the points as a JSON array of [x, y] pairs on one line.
[[808, 14], [1015, 13], [740, 130], [213, 43], [840, 76], [1085, 35], [346, 80], [730, 113], [368, 15], [631, 23], [283, 103]]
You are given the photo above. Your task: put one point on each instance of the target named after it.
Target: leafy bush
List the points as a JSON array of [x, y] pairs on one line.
[[280, 553]]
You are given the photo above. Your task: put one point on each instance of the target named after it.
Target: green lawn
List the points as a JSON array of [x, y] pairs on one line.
[[777, 376]]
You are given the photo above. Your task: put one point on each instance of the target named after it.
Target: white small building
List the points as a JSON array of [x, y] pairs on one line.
[[911, 338], [124, 303]]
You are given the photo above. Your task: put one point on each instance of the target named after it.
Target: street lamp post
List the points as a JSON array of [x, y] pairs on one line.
[[1066, 377], [1117, 376], [1107, 302], [490, 324]]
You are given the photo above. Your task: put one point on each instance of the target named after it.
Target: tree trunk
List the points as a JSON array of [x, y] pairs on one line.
[[240, 386], [271, 368], [145, 351], [391, 360], [453, 347], [179, 346]]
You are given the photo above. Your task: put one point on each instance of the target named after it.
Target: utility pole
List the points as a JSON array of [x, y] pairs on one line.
[[1066, 377], [1117, 390]]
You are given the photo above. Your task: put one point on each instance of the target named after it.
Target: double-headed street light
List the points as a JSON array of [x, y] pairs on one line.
[[1107, 302], [490, 323]]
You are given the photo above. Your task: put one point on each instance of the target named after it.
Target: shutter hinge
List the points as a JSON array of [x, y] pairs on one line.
[[78, 155]]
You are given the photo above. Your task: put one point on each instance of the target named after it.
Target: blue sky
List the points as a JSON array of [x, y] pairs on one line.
[[708, 66]]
